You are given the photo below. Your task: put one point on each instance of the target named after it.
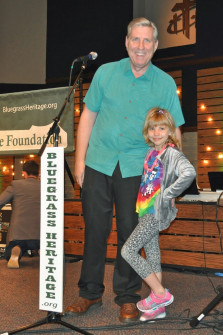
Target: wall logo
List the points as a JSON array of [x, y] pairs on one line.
[[183, 19]]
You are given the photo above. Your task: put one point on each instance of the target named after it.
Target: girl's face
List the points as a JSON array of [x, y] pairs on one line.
[[158, 135]]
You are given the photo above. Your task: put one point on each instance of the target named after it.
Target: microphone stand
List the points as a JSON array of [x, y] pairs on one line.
[[54, 317], [196, 319], [57, 118]]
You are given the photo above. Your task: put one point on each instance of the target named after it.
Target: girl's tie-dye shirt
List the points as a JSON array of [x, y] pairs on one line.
[[150, 184]]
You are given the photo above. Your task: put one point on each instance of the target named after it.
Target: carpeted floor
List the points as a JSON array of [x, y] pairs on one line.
[[193, 292]]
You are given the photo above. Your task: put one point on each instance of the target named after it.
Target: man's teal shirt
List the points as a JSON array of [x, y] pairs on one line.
[[122, 103]]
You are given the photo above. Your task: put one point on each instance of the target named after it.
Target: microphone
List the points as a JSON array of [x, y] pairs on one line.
[[195, 320], [91, 56]]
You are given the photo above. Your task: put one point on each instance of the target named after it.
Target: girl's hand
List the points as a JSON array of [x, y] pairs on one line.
[[173, 202]]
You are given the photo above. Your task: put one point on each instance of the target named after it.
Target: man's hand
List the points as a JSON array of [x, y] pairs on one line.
[[79, 172]]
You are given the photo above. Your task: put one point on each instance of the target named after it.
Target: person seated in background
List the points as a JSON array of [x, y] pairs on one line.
[[24, 229]]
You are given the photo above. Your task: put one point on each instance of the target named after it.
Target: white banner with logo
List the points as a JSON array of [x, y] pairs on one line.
[[27, 117], [52, 230]]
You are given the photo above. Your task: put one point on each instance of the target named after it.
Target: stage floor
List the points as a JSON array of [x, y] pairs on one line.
[[192, 291]]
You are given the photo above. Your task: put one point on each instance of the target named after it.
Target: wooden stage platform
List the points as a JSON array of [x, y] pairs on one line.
[[193, 239]]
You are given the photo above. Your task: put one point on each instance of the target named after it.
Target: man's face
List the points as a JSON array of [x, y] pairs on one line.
[[141, 46]]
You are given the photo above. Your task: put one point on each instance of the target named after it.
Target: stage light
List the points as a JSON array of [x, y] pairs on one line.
[[208, 148], [210, 119], [203, 107], [220, 156], [205, 161], [218, 132]]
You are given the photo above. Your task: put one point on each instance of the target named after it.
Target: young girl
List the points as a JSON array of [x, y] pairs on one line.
[[167, 173]]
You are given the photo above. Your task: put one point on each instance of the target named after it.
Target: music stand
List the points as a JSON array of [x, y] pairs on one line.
[[54, 317]]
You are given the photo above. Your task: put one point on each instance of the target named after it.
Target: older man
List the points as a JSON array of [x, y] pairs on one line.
[[109, 161]]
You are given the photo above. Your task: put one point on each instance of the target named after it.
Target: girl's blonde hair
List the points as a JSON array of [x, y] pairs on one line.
[[159, 116]]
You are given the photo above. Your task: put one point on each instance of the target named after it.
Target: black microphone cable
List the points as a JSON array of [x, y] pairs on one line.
[[219, 290], [216, 219]]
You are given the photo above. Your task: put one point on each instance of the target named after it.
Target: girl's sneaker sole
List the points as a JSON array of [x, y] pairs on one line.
[[144, 318]]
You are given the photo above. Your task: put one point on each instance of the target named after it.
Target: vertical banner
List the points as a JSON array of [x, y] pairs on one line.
[[52, 230]]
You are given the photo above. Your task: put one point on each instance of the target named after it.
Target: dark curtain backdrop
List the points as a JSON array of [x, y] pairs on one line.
[[209, 28], [75, 28]]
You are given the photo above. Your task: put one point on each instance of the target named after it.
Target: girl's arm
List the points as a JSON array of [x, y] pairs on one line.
[[185, 175]]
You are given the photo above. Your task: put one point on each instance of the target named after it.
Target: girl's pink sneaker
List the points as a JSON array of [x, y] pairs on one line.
[[152, 302]]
